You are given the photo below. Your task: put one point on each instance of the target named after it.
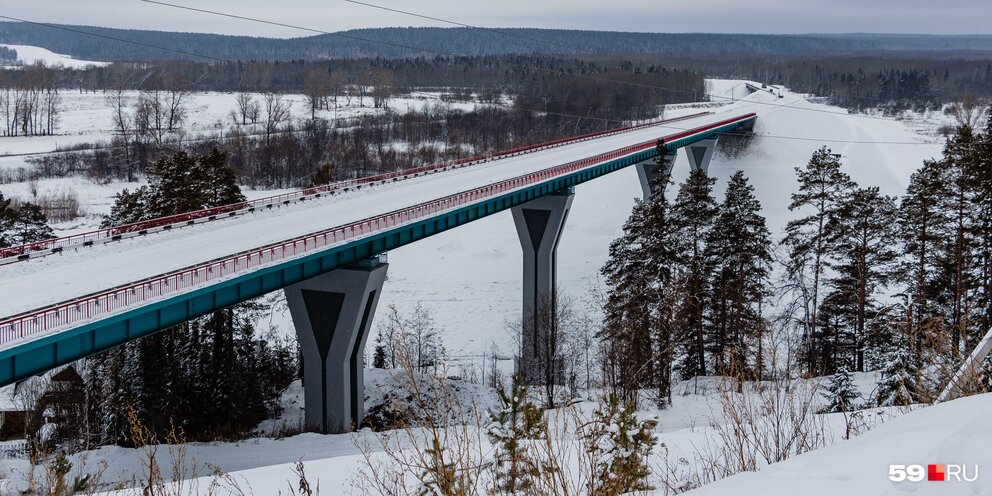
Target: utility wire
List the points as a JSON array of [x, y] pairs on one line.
[[456, 23], [295, 131], [106, 37]]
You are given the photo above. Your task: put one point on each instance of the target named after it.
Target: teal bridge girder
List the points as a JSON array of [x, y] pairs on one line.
[[26, 358]]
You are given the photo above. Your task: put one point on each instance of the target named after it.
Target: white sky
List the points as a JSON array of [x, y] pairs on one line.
[[717, 16]]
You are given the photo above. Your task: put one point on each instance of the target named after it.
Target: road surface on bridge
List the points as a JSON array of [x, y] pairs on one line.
[[53, 279]]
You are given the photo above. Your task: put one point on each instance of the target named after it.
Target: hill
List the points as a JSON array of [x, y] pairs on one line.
[[393, 43]]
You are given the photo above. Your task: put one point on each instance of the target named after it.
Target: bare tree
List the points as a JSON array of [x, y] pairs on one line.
[[248, 108], [276, 113], [970, 111], [547, 331], [315, 89], [178, 89], [123, 122], [383, 84]]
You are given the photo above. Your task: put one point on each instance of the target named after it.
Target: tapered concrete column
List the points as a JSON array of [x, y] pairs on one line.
[[654, 173], [539, 226], [332, 314], [700, 153]]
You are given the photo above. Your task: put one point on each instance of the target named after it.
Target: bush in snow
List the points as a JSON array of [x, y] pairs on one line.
[[840, 392], [621, 444], [515, 421]]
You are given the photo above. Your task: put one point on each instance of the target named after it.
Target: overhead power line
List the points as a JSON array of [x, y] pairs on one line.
[[294, 131], [456, 23], [113, 38]]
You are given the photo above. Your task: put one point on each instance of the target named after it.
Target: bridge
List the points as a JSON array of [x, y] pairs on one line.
[[65, 299]]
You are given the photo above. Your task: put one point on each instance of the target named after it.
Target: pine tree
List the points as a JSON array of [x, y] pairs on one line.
[[379, 356], [900, 380], [956, 263], [129, 207], [863, 237], [621, 444], [209, 377], [515, 421], [738, 253], [840, 392], [822, 189], [693, 212], [638, 325], [983, 231], [922, 229], [22, 225]]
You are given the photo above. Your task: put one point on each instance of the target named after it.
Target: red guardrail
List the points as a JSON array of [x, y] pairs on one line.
[[141, 292], [114, 233]]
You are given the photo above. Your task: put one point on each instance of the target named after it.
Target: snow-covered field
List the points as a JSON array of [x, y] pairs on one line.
[[27, 55]]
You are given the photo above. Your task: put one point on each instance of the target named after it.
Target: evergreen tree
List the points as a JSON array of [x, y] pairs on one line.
[[129, 207], [840, 392], [900, 380], [983, 231], [621, 444], [822, 189], [379, 356], [22, 225], [515, 421], [922, 229], [211, 377], [956, 264], [693, 212], [738, 253], [863, 237], [637, 325]]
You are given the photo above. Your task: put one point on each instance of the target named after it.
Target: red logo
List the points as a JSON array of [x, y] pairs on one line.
[[935, 472]]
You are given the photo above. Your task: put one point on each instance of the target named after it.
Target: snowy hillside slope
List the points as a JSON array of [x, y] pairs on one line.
[[955, 432], [27, 55]]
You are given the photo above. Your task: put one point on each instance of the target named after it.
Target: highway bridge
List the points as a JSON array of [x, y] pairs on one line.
[[65, 299]]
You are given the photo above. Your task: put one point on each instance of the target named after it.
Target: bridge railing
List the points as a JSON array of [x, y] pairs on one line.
[[24, 251], [105, 303]]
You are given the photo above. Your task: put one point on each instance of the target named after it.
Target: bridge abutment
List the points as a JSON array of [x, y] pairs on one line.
[[654, 173], [332, 314], [539, 226]]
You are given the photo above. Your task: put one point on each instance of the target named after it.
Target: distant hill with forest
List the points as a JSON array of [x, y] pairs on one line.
[[429, 42]]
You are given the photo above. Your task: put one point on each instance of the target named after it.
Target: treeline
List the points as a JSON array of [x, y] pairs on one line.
[[29, 100], [397, 42], [860, 83], [870, 282], [525, 101], [7, 53]]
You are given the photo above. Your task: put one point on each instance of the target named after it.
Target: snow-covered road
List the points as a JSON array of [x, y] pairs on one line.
[[37, 283]]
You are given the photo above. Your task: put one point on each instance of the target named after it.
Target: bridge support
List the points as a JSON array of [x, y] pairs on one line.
[[654, 173], [332, 314], [701, 153], [539, 226]]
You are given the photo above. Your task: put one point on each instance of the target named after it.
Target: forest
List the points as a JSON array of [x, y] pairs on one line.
[[80, 42]]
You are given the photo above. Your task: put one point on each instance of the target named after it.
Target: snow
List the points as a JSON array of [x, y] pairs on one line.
[[86, 117], [955, 432], [470, 278], [28, 55]]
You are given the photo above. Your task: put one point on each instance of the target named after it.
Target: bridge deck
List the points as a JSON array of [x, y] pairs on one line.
[[65, 277]]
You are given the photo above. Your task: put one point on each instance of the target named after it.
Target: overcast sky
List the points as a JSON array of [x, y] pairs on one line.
[[717, 16]]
